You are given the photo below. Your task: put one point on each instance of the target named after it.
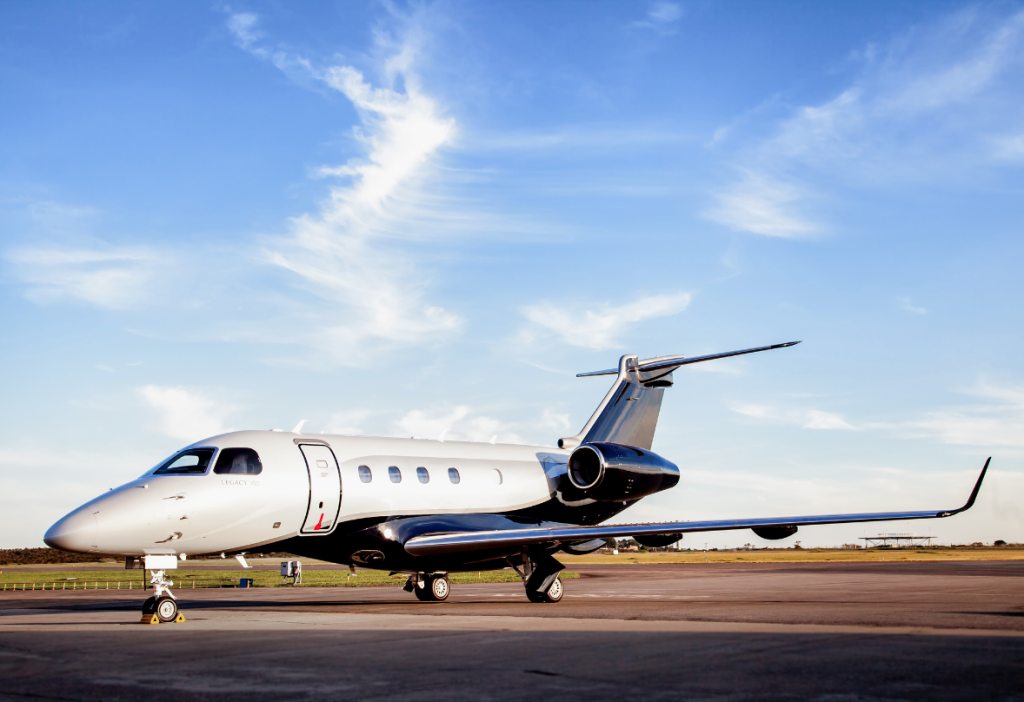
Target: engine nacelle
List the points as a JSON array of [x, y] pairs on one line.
[[657, 540], [775, 533], [612, 472]]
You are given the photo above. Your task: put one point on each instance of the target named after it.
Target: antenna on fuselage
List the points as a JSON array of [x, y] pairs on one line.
[[298, 427]]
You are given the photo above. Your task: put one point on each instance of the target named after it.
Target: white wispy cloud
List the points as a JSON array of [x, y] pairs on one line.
[[111, 277], [908, 306], [1008, 148], [466, 423], [805, 418], [185, 414], [997, 421], [345, 254], [762, 205], [661, 16], [933, 105], [348, 422], [457, 423], [243, 26], [598, 328], [558, 421]]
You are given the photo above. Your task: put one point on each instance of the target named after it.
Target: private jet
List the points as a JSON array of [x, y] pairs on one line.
[[420, 507]]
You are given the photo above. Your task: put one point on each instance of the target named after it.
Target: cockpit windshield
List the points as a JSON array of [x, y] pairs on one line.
[[191, 462]]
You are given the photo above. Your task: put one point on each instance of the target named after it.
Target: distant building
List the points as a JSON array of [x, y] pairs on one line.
[[905, 538]]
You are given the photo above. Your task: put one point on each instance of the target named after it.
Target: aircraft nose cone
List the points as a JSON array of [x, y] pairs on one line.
[[75, 532]]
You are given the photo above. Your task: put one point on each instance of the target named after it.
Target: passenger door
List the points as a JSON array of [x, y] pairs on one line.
[[324, 489]]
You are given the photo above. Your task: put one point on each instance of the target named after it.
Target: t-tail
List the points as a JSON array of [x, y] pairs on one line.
[[628, 414]]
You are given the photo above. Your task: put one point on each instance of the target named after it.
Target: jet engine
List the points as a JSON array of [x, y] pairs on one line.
[[776, 532], [614, 472], [657, 540]]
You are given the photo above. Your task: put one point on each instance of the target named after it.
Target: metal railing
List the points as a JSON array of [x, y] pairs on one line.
[[103, 585]]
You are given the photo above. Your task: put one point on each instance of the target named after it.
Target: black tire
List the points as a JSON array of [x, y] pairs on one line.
[[423, 593], [440, 587], [554, 593], [149, 606], [166, 609]]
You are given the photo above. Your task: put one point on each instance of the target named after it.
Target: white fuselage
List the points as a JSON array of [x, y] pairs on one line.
[[300, 491]]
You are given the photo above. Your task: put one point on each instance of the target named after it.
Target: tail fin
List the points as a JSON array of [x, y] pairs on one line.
[[628, 414]]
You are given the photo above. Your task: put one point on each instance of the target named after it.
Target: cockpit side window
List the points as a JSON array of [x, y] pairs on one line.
[[191, 462], [238, 461]]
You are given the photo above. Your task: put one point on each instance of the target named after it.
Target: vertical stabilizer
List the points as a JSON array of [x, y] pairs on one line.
[[629, 412]]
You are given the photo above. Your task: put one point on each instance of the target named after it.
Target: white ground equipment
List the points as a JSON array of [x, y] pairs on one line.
[[293, 570]]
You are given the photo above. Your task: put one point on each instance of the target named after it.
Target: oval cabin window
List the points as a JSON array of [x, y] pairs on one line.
[[364, 474], [423, 475], [394, 474], [453, 475]]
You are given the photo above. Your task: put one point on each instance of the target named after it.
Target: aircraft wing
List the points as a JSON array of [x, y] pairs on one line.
[[474, 541]]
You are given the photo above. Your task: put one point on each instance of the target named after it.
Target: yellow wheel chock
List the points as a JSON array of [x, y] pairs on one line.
[[153, 619]]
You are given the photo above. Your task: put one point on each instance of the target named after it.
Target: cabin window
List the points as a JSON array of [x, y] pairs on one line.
[[364, 474], [423, 475], [496, 476], [394, 474], [192, 462], [453, 475], [238, 461]]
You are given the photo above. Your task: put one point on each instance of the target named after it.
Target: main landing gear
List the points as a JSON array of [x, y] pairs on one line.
[[429, 587], [540, 576], [162, 607]]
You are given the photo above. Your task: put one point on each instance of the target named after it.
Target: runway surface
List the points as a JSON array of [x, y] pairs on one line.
[[828, 631]]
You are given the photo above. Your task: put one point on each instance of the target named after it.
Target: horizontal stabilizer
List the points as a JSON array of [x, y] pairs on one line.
[[629, 412], [670, 363], [517, 538]]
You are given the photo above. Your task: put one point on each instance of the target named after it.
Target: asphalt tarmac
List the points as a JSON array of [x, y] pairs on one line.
[[823, 631]]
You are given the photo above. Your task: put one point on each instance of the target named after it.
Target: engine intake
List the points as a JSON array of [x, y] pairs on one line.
[[612, 472]]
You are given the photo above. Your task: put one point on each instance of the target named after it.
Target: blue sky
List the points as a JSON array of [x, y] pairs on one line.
[[407, 219]]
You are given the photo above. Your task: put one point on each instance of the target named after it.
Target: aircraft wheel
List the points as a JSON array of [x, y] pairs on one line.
[[554, 593], [440, 587], [423, 594], [166, 609], [149, 606]]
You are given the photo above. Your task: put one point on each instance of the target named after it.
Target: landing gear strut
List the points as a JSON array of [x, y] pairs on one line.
[[429, 587], [163, 605], [540, 576]]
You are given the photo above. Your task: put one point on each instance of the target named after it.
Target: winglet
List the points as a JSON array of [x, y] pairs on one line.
[[974, 493]]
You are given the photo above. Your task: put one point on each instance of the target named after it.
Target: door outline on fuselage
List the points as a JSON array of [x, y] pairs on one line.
[[309, 474]]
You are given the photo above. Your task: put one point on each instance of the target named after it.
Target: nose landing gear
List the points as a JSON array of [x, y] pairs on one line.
[[162, 607]]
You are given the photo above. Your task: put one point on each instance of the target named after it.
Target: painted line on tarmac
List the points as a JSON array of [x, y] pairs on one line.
[[669, 597]]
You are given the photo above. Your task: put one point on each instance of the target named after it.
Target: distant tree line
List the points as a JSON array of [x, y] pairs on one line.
[[40, 556], [44, 555]]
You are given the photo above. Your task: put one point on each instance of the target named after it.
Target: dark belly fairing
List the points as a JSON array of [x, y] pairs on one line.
[[366, 543]]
